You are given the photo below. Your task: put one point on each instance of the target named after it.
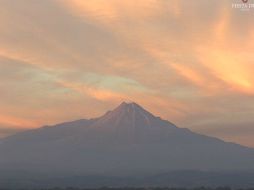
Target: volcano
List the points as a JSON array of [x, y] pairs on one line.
[[127, 141]]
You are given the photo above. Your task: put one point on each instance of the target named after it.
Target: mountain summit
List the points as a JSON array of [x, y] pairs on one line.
[[129, 122], [131, 111], [125, 141], [131, 108]]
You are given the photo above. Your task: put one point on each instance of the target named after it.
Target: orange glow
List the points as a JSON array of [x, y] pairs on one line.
[[230, 68], [106, 11], [99, 94], [16, 122], [189, 74]]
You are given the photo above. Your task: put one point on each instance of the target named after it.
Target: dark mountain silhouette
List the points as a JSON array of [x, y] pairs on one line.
[[128, 141]]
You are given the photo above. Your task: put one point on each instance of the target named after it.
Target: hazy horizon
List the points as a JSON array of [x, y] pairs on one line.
[[190, 62]]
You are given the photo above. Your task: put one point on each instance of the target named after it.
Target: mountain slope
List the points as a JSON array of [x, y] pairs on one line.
[[126, 141]]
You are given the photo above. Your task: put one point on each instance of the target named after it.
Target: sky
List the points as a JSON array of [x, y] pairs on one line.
[[190, 62]]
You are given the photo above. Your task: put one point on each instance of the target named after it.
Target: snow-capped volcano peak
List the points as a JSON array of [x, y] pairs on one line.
[[128, 106], [129, 122], [128, 115], [131, 110]]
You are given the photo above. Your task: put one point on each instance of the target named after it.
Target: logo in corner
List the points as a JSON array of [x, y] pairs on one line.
[[245, 5]]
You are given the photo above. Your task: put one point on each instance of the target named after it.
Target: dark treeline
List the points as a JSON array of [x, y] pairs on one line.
[[136, 188]]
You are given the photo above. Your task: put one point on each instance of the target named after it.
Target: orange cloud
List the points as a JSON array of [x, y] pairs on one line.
[[16, 122], [231, 67], [112, 10], [97, 93], [190, 74]]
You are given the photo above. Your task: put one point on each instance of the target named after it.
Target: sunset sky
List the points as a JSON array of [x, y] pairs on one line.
[[191, 62]]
